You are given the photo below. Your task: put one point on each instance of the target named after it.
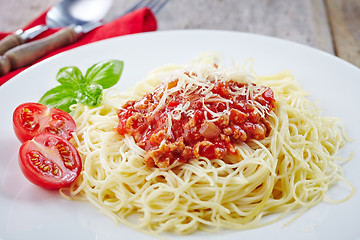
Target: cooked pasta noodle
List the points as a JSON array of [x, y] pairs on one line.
[[292, 168]]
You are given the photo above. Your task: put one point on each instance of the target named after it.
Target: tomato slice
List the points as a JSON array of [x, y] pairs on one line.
[[30, 119], [49, 161]]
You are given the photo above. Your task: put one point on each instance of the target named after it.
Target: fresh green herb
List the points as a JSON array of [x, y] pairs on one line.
[[76, 88]]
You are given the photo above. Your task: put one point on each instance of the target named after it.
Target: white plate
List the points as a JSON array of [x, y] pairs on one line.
[[28, 212]]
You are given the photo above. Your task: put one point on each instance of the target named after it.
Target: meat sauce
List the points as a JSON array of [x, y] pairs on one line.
[[195, 125]]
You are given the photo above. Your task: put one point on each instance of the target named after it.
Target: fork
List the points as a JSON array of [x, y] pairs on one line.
[[154, 5], [28, 53]]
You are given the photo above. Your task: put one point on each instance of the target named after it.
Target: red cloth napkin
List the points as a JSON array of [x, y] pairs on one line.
[[142, 20]]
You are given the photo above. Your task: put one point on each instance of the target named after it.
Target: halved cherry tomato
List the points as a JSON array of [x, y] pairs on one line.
[[49, 161], [30, 119]]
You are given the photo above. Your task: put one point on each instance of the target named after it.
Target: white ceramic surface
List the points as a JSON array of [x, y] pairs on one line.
[[28, 212]]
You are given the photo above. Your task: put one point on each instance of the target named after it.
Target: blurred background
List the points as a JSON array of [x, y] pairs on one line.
[[332, 26]]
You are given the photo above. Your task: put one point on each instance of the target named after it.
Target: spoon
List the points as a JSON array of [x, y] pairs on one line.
[[65, 13], [77, 13]]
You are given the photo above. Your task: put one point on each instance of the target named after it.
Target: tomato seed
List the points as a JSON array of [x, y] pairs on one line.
[[67, 164]]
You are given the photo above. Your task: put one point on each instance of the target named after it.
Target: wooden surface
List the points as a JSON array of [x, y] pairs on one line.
[[329, 25]]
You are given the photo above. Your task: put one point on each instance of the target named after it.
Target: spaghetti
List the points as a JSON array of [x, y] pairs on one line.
[[292, 167]]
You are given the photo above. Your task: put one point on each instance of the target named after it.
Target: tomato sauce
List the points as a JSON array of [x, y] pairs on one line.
[[192, 125]]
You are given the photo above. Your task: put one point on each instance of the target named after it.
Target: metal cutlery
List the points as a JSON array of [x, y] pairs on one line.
[[25, 54], [65, 13]]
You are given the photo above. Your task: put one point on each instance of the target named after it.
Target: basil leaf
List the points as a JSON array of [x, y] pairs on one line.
[[61, 97], [87, 90], [70, 76], [91, 95], [105, 73]]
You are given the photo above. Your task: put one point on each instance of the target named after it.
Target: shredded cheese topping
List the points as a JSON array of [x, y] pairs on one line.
[[199, 80]]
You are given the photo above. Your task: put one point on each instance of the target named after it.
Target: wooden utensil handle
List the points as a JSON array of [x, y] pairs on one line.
[[9, 42], [28, 53]]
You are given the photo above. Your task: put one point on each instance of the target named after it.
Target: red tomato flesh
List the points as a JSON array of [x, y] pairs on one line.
[[30, 119], [49, 161]]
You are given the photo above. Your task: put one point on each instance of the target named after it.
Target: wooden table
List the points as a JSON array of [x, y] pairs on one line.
[[329, 25]]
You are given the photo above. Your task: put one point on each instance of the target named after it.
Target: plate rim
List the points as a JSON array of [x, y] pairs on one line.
[[187, 31]]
